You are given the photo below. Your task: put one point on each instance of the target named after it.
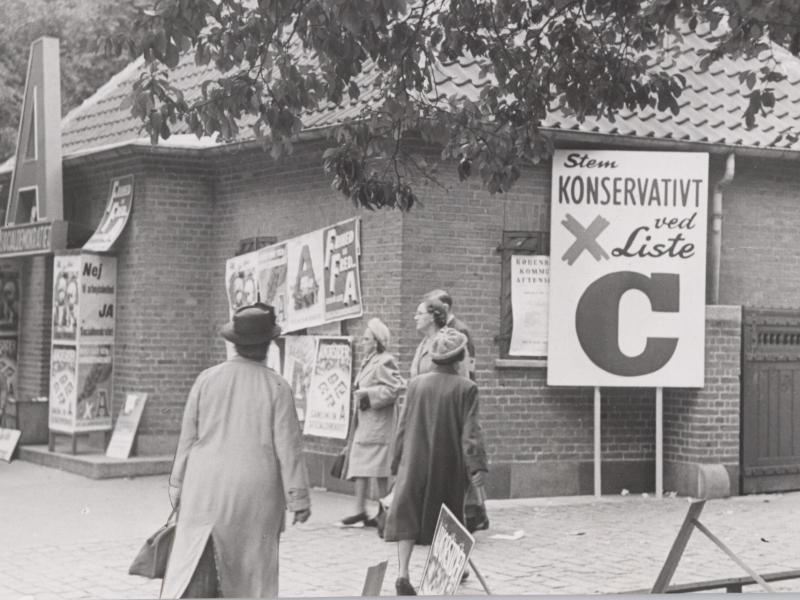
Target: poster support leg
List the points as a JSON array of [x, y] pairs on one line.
[[597, 447], [480, 577], [659, 442]]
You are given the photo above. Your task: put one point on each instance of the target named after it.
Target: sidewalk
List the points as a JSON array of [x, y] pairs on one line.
[[63, 536]]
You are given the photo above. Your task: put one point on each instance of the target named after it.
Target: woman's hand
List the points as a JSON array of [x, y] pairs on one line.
[[363, 401]]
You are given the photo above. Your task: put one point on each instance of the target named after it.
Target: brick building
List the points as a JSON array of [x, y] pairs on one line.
[[194, 203]]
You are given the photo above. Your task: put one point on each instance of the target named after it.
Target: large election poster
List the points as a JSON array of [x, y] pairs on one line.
[[342, 282], [627, 270], [97, 298], [93, 399], [306, 300], [271, 279], [530, 290], [66, 286], [328, 402]]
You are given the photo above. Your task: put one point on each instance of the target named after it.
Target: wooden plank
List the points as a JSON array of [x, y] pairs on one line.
[[749, 425], [678, 546], [374, 580], [774, 415], [784, 431]]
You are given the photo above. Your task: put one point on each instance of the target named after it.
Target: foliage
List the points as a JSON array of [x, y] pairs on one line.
[[79, 24], [279, 58]]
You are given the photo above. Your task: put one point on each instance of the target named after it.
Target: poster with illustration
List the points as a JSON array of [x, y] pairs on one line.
[[93, 399], [306, 305], [63, 384], [298, 366], [328, 401], [9, 300], [115, 217], [342, 281], [66, 278], [271, 270], [240, 281], [97, 299], [8, 368], [447, 556]]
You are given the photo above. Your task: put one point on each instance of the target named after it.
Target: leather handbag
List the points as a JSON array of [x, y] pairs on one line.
[[151, 562], [337, 468]]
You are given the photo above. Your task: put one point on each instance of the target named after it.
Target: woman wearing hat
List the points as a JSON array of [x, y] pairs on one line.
[[238, 466], [430, 318], [438, 443], [376, 388]]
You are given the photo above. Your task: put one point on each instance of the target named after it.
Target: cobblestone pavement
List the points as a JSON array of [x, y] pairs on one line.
[[63, 536]]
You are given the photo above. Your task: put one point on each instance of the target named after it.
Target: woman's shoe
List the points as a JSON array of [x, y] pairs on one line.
[[354, 521], [403, 587]]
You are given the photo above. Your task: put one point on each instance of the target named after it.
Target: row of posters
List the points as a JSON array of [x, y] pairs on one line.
[[81, 363], [311, 280], [9, 330], [319, 369]]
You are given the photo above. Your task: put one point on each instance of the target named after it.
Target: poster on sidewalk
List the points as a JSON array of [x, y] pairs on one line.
[[9, 438], [342, 281], [627, 270], [530, 289], [97, 299], [447, 556], [115, 217], [299, 354], [8, 368], [93, 400], [271, 269], [126, 426], [305, 280], [328, 401], [9, 300], [63, 384], [66, 277]]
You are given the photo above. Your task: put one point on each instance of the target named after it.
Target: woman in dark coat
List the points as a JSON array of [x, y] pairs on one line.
[[377, 386], [438, 442]]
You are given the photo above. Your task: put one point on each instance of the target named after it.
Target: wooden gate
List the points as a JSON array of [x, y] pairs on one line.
[[770, 423]]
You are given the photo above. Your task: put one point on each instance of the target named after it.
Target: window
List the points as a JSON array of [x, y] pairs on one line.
[[515, 242]]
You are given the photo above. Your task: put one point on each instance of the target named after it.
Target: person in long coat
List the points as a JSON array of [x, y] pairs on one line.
[[438, 443], [376, 388], [239, 465]]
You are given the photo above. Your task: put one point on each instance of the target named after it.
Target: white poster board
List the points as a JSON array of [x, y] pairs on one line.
[[530, 289], [8, 442], [328, 401], [126, 426], [627, 272]]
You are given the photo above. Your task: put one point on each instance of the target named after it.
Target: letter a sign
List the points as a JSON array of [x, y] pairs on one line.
[[36, 189], [627, 269]]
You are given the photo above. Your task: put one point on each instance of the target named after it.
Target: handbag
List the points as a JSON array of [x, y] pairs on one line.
[[151, 561], [337, 468]]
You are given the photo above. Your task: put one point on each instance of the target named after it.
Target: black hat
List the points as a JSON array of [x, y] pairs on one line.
[[251, 325]]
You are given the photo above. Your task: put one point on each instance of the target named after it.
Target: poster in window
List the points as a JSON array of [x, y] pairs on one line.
[[63, 384], [530, 288], [66, 288], [328, 402], [8, 368], [9, 300]]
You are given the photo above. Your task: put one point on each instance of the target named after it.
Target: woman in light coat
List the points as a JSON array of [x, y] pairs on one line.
[[238, 467], [377, 386]]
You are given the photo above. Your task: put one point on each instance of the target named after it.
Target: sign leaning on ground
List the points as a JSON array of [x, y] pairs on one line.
[[126, 426], [627, 272], [447, 557], [8, 442]]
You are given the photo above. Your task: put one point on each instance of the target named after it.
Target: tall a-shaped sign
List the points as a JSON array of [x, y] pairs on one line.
[[36, 183]]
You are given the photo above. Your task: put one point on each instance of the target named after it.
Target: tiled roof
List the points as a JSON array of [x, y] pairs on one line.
[[711, 107]]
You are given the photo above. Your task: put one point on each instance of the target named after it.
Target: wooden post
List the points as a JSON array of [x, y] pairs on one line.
[[678, 546], [659, 442], [480, 577], [598, 459]]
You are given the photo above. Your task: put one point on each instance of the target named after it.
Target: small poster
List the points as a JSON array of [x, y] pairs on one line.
[[126, 426], [66, 278], [63, 381], [115, 217], [8, 442], [271, 269], [8, 367], [530, 288], [447, 557], [305, 278], [97, 298], [300, 352], [9, 301], [93, 401], [240, 281], [328, 402], [342, 281]]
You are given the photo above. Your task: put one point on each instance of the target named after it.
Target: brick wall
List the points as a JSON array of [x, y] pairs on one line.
[[33, 349]]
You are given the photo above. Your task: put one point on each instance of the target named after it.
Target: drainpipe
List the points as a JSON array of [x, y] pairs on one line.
[[716, 226]]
